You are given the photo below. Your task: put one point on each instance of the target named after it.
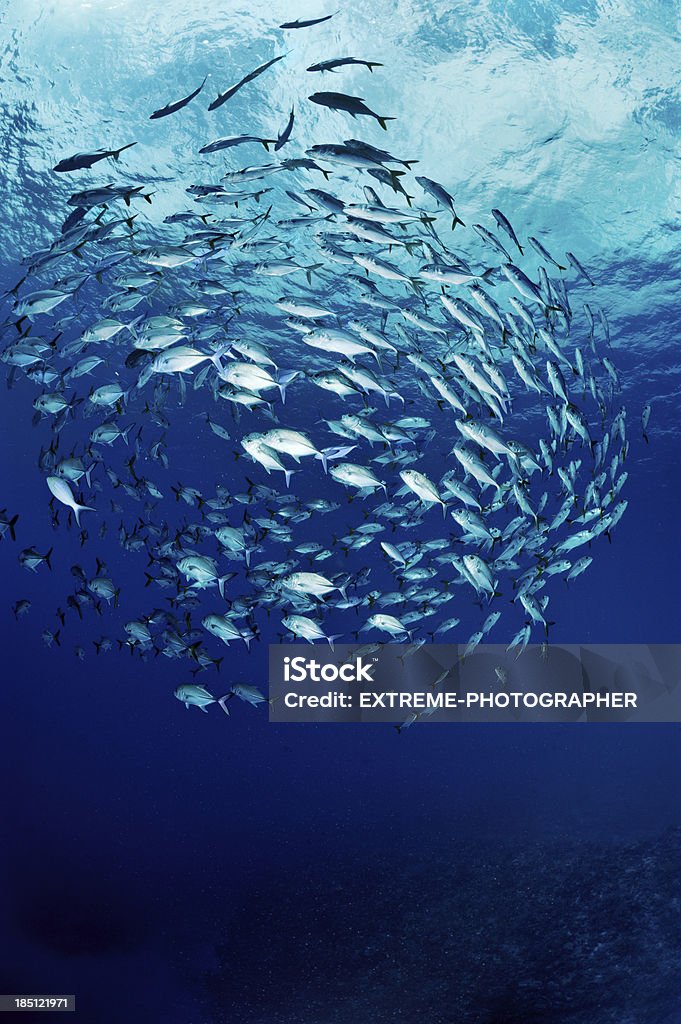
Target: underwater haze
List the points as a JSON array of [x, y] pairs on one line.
[[312, 400]]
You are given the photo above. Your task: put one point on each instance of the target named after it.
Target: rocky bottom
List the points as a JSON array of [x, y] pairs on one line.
[[564, 932]]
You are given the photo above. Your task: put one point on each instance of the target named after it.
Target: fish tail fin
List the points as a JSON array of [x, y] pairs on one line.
[[284, 378], [56, 638], [288, 473], [13, 522], [382, 120], [309, 271], [115, 153], [223, 702], [332, 638], [77, 509], [192, 649], [48, 556]]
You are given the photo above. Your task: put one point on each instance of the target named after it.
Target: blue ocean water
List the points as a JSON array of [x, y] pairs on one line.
[[168, 865]]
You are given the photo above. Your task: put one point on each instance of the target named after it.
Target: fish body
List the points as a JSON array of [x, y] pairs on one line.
[[485, 436], [441, 196], [291, 442], [506, 226], [576, 265], [230, 142], [519, 279], [352, 475], [285, 135], [202, 572], [8, 525], [199, 697], [342, 62], [645, 419], [308, 629], [543, 252], [80, 161], [479, 572], [387, 624], [306, 22], [249, 694], [179, 359], [63, 493], [335, 339], [310, 584], [353, 105], [43, 301], [223, 628], [172, 108], [30, 559], [224, 96], [423, 487]]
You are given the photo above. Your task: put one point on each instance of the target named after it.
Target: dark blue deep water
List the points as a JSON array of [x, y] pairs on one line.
[[175, 867]]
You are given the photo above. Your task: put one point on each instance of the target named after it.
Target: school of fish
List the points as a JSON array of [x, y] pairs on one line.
[[350, 348]]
